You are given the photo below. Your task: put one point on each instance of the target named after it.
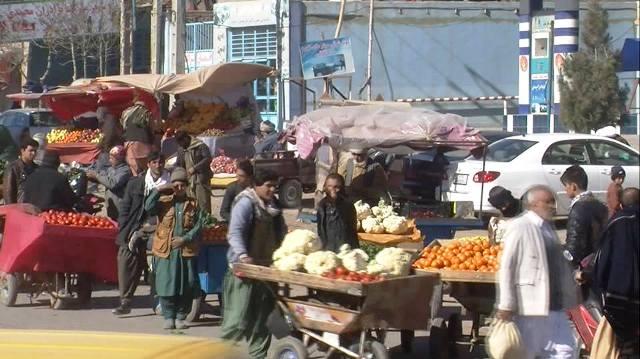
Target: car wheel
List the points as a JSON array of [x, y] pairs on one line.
[[290, 193]]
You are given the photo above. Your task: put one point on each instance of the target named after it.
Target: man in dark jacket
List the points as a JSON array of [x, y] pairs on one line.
[[131, 252], [244, 175], [18, 171], [46, 188], [195, 156], [587, 216], [617, 273], [337, 219], [115, 180]]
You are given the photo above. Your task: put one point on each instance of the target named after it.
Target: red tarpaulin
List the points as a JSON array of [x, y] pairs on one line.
[[83, 153], [29, 245]]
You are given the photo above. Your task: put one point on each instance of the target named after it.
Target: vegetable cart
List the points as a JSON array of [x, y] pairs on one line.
[[59, 260], [476, 293], [343, 315]]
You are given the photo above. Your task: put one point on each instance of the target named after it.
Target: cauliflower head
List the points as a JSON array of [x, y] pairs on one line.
[[372, 225], [321, 262], [395, 224], [375, 268], [362, 210], [301, 241], [292, 262], [382, 210], [395, 261], [354, 260]]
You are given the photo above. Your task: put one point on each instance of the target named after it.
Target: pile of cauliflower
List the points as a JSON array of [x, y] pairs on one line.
[[300, 251], [380, 219]]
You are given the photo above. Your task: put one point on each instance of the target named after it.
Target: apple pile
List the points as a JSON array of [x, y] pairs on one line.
[[66, 136], [343, 273]]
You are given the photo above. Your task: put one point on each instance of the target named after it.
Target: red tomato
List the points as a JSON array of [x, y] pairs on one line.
[[342, 271]]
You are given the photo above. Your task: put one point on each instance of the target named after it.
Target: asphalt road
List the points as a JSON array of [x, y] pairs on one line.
[[35, 313]]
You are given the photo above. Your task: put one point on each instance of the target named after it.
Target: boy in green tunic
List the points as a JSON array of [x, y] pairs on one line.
[[174, 247]]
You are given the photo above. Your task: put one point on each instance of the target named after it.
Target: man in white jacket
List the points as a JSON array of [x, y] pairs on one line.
[[535, 283]]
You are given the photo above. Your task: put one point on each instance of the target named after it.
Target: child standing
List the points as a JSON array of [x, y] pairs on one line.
[[615, 189], [337, 221]]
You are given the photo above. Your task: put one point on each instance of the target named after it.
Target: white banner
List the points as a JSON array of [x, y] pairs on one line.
[[29, 21]]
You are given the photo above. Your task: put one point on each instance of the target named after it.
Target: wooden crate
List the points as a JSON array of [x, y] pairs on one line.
[[447, 275]]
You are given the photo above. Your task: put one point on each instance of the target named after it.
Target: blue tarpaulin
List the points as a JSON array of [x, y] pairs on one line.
[[630, 55]]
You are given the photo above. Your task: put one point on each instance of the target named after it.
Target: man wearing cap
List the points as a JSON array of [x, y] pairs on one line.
[[267, 139], [46, 188], [364, 178], [615, 189], [509, 207], [195, 156], [115, 179], [175, 247]]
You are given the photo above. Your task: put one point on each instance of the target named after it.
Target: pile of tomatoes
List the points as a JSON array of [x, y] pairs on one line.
[[463, 255], [343, 273], [75, 219]]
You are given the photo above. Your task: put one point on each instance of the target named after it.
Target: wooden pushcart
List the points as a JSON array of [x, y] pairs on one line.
[[344, 316]]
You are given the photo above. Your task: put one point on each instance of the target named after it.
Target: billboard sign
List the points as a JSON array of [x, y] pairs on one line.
[[327, 58]]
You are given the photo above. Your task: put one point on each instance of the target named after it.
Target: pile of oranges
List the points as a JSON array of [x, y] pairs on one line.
[[472, 254]]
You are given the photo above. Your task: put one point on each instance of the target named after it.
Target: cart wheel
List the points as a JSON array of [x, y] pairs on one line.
[[84, 288], [196, 308], [372, 350], [290, 193], [438, 339], [290, 348], [8, 289]]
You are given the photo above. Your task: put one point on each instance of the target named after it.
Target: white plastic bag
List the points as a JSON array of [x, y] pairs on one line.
[[504, 341]]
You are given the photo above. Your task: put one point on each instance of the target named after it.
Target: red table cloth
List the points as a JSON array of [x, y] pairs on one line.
[[30, 245], [83, 153]]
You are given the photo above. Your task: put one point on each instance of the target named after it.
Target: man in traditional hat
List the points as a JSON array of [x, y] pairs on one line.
[[195, 156], [175, 247], [364, 178], [46, 188], [267, 139], [115, 179]]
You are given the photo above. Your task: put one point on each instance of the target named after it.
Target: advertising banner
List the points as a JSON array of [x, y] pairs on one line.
[[327, 58]]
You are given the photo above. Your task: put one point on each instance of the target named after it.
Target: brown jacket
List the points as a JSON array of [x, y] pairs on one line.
[[166, 222], [14, 176], [613, 198]]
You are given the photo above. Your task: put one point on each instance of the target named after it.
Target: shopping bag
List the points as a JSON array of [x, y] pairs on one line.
[[504, 341], [604, 342]]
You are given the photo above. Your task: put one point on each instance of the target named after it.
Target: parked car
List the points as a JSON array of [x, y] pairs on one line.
[[519, 162], [490, 135], [35, 120]]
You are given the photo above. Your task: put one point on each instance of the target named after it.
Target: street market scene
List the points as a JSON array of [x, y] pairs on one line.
[[320, 179]]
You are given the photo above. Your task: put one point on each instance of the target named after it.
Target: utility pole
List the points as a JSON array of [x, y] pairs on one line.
[[637, 23], [177, 36], [125, 38], [156, 29]]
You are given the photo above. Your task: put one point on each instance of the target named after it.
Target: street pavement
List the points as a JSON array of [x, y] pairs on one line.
[[36, 314]]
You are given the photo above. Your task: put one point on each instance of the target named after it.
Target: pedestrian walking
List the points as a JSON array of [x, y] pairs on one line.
[[138, 135], [617, 274], [195, 156], [244, 178], [256, 230], [18, 171], [614, 191], [175, 247], [114, 179], [133, 233], [587, 219], [337, 219], [535, 284]]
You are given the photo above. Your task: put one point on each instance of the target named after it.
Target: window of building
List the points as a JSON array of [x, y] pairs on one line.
[[199, 42], [258, 45], [540, 47]]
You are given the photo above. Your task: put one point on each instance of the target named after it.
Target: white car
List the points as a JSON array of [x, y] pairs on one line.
[[519, 162]]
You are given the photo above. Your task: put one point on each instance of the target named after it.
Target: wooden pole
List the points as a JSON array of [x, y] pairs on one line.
[[178, 36], [125, 45], [156, 29]]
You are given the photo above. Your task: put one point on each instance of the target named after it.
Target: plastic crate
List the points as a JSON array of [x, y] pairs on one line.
[[212, 272]]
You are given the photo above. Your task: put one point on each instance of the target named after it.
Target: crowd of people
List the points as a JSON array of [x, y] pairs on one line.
[[162, 212]]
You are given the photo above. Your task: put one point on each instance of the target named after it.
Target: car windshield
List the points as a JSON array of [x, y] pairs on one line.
[[506, 150]]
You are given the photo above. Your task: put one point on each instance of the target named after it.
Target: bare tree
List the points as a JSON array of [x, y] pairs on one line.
[[81, 29]]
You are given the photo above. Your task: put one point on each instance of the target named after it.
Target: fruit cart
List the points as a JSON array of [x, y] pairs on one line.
[[474, 290], [347, 315], [60, 259]]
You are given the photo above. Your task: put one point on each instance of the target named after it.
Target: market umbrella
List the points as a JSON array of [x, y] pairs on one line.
[[148, 82]]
